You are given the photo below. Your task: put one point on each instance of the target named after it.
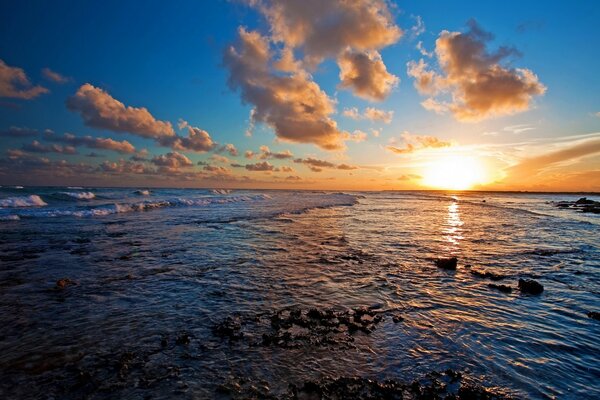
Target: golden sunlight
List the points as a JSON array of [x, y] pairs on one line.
[[455, 172]]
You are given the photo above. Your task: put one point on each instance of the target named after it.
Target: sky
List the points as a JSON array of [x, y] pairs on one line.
[[301, 94]]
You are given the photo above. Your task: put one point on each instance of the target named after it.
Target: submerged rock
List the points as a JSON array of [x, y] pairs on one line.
[[487, 275], [594, 315], [397, 318], [502, 288], [447, 263], [446, 385], [64, 282], [530, 286]]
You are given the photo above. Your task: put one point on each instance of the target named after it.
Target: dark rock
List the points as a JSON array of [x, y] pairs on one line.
[[585, 201], [530, 286], [594, 315], [487, 275], [502, 288], [447, 263], [64, 282], [397, 318], [229, 328], [184, 338]]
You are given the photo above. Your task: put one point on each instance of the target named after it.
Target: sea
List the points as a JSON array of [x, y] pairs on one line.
[[180, 293]]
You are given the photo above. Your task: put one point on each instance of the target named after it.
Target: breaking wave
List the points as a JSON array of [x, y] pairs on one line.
[[143, 192], [24, 201], [80, 195]]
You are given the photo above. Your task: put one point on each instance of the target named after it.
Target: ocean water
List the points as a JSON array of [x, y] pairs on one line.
[[154, 271]]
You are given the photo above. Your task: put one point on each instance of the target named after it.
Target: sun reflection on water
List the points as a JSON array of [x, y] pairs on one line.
[[453, 226]]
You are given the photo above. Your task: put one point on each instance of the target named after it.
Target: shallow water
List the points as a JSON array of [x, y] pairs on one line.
[[152, 267]]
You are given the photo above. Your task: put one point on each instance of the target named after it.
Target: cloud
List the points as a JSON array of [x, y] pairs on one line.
[[418, 142], [356, 136], [54, 76], [326, 28], [370, 113], [15, 84], [219, 158], [171, 162], [91, 142], [375, 114], [418, 28], [316, 165], [100, 110], [261, 166], [267, 154], [228, 148], [124, 167], [217, 169], [16, 132], [37, 147], [479, 85], [366, 75], [292, 104], [197, 140], [422, 50], [517, 129], [528, 168]]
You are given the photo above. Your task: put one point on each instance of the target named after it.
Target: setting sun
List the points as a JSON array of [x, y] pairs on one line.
[[453, 172]]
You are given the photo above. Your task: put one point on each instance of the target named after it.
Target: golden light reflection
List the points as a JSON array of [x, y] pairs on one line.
[[455, 172], [453, 230]]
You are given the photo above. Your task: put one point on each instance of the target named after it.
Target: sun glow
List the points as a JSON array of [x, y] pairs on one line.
[[454, 172]]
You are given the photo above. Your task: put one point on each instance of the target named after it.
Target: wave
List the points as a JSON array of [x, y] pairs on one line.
[[74, 187], [26, 201], [220, 191], [10, 217], [144, 192], [80, 195], [118, 208]]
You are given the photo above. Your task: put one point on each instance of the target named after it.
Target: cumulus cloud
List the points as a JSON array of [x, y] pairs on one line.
[[124, 167], [267, 154], [479, 84], [15, 84], [16, 132], [326, 28], [172, 162], [123, 146], [292, 104], [54, 76], [366, 75], [100, 110], [228, 148], [317, 165], [215, 169], [261, 166], [37, 147], [414, 143], [418, 28], [370, 113]]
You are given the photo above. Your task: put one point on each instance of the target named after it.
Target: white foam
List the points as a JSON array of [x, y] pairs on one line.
[[9, 217], [220, 191], [18, 187], [80, 195], [26, 201], [143, 192]]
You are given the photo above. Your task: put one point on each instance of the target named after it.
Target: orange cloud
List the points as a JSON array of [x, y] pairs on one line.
[[54, 76], [479, 85], [366, 75], [418, 142], [370, 113], [15, 84], [100, 110], [292, 104]]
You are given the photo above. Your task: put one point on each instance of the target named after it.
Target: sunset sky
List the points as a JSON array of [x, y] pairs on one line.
[[301, 94]]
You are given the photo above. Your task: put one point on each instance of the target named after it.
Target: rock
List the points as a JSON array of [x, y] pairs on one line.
[[530, 286], [585, 201], [64, 282], [447, 263], [229, 328], [184, 338], [397, 318], [594, 315], [487, 275], [502, 288]]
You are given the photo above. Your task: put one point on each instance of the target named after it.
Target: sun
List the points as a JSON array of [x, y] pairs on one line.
[[454, 172]]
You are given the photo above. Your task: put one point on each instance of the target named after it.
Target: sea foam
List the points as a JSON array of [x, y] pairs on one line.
[[26, 201]]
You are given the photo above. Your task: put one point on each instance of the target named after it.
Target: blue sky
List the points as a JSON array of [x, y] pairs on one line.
[[168, 58]]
